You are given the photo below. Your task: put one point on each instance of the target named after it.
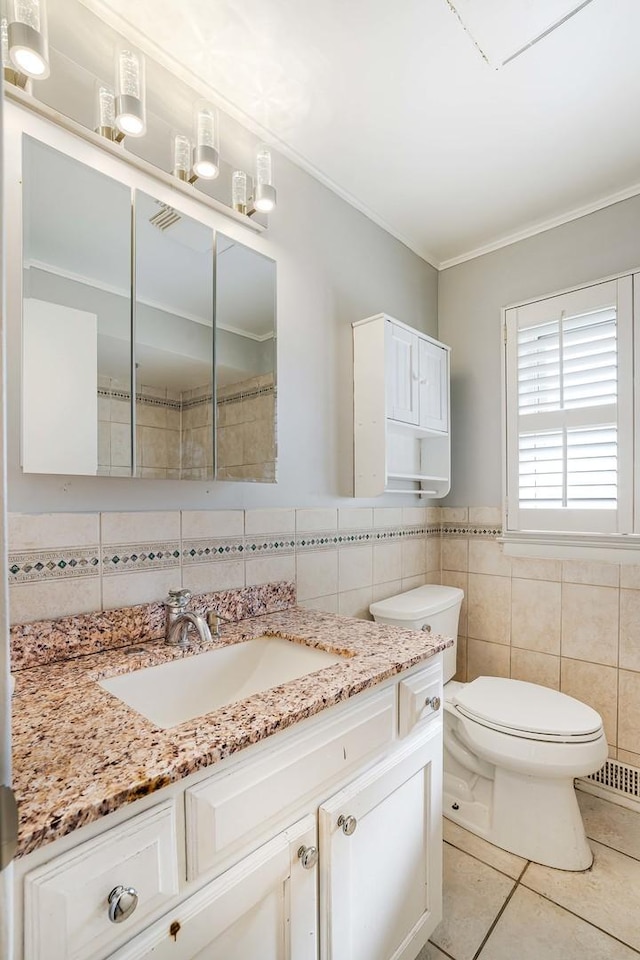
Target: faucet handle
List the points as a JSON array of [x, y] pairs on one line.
[[178, 599]]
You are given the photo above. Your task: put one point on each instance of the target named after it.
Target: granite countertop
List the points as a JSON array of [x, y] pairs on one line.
[[80, 753]]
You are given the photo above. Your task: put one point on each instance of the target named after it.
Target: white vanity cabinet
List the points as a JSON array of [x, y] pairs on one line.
[[401, 410], [322, 842]]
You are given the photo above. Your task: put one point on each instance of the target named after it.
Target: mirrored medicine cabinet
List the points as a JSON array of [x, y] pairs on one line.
[[149, 341]]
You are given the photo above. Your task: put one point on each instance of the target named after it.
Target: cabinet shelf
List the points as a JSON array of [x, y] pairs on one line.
[[416, 476], [415, 493]]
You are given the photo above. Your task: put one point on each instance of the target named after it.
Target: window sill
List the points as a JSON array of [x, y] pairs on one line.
[[612, 548]]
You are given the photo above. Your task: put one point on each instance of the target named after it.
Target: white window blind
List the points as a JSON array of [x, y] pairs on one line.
[[564, 429]]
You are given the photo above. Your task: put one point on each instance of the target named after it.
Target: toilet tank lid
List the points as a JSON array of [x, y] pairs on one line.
[[420, 602], [527, 707]]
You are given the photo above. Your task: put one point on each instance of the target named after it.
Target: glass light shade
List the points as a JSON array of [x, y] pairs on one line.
[[239, 191], [206, 158], [181, 156], [27, 38], [131, 111], [105, 123], [265, 194]]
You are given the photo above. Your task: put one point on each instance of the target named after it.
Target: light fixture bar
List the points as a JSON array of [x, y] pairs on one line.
[[27, 38]]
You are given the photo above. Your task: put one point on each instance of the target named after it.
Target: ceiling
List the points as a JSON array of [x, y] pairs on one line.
[[401, 110]]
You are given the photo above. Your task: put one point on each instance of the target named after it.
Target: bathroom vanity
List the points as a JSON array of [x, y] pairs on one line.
[[301, 822]]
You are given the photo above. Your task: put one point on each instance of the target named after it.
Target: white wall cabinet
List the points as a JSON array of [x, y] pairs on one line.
[[401, 410], [262, 865]]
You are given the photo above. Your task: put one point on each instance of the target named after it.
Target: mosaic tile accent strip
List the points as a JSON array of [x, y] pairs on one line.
[[31, 566], [140, 398], [247, 395], [206, 551], [273, 545], [345, 538], [49, 641], [476, 530], [123, 558]]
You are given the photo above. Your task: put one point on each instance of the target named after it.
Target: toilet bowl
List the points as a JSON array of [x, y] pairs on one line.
[[511, 749]]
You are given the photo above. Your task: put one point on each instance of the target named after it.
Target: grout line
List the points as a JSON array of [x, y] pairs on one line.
[[444, 953], [484, 862], [499, 914], [560, 906]]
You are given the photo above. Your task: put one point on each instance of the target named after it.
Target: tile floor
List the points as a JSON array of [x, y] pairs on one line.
[[500, 907]]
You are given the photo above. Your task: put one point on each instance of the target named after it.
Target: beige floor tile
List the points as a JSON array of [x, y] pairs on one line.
[[473, 896], [431, 952], [493, 856], [607, 895], [542, 930], [611, 824]]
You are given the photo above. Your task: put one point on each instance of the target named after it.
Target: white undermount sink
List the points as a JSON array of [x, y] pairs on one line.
[[180, 690]]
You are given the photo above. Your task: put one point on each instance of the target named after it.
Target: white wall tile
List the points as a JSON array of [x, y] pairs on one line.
[[49, 531], [387, 517], [356, 603], [53, 598], [324, 604], [316, 574], [387, 561], [268, 569], [198, 524], [355, 518], [139, 527], [414, 557], [269, 521], [139, 586], [207, 577], [355, 566], [316, 520]]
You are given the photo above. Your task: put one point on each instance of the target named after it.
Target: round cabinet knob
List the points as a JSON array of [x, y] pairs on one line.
[[122, 903], [308, 857], [433, 702], [426, 628], [348, 824]]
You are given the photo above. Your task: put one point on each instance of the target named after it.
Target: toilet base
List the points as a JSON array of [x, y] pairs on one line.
[[533, 818]]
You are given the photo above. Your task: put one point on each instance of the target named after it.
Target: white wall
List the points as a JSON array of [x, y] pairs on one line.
[[471, 296], [334, 266]]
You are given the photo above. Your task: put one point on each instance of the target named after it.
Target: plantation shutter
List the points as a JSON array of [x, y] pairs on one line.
[[568, 444]]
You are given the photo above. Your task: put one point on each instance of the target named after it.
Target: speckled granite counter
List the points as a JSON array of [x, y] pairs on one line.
[[80, 753]]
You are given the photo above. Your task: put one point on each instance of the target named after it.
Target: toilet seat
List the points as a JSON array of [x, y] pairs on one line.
[[526, 710]]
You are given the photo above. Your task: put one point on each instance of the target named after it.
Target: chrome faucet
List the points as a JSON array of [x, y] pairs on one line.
[[180, 620]]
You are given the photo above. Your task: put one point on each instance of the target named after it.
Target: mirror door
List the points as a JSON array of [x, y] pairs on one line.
[[76, 358], [173, 343]]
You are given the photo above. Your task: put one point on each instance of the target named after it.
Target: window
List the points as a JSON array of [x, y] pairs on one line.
[[569, 412]]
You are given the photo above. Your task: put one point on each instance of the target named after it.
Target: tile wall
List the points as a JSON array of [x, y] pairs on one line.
[[570, 625], [573, 625], [342, 560]]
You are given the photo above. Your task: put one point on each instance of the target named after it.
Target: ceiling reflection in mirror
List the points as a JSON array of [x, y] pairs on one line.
[[76, 386], [245, 363], [173, 343]]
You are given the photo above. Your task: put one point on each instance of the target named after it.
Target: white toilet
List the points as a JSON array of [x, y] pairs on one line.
[[511, 749]]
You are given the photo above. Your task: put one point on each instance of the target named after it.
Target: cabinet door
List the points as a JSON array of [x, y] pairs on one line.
[[434, 386], [381, 885], [401, 361], [264, 908]]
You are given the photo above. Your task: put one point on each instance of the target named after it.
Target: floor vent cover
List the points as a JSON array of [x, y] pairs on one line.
[[619, 777]]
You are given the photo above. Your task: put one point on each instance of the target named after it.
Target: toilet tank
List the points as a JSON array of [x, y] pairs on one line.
[[429, 606]]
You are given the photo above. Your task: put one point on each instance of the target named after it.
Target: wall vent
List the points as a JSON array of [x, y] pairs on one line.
[[618, 777], [165, 217]]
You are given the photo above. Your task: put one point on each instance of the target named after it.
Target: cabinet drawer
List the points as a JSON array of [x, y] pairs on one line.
[[66, 900], [229, 814], [415, 696]]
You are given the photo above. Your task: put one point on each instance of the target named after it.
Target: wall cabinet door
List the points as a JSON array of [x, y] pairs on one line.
[[264, 908], [401, 360], [381, 857], [433, 386]]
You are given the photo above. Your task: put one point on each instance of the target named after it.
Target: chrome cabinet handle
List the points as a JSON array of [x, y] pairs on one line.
[[308, 857], [122, 902], [348, 824], [433, 702], [426, 628]]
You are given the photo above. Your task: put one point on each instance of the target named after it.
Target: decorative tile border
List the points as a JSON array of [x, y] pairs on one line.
[[123, 558], [31, 566], [475, 530], [209, 551]]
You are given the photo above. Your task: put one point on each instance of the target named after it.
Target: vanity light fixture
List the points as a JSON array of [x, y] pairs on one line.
[[11, 75], [130, 103], [181, 157], [239, 191], [264, 198], [27, 38], [206, 155], [105, 124]]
